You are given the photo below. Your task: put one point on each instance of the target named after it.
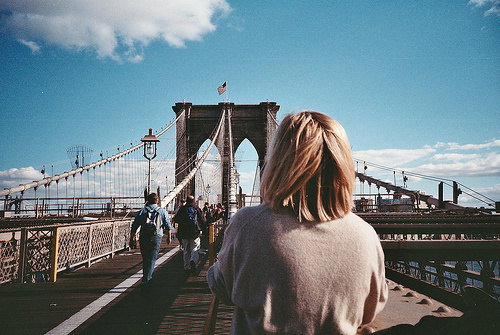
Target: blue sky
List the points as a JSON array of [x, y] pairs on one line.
[[416, 84]]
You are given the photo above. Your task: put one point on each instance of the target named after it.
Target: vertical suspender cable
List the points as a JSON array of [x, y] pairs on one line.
[[232, 187], [178, 188]]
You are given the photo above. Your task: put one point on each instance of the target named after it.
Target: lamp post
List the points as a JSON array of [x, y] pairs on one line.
[[149, 141], [236, 182], [207, 189], [236, 178]]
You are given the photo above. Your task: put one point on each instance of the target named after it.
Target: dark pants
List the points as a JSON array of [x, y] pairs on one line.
[[150, 246]]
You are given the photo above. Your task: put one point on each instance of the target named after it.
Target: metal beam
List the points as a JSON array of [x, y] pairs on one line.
[[453, 250], [172, 194], [414, 194]]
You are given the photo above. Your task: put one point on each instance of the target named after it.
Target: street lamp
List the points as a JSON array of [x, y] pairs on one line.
[[236, 182], [207, 189], [149, 141], [236, 178]]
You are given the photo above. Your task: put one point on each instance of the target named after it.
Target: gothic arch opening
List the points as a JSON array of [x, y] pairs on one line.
[[208, 178], [246, 161], [257, 123]]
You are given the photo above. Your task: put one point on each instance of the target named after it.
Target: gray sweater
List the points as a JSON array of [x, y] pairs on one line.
[[299, 278]]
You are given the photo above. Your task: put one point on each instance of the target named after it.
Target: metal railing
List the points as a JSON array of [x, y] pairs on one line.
[[215, 240], [441, 268], [439, 255], [39, 253]]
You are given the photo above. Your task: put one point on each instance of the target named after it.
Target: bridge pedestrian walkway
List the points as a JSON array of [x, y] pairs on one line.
[[106, 298]]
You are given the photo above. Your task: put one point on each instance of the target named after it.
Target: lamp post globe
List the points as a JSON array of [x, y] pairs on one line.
[[149, 141]]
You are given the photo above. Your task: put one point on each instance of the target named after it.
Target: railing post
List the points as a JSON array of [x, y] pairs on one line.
[[22, 255], [90, 245], [113, 232], [486, 274], [211, 242], [439, 273], [460, 266], [53, 258], [209, 328], [210, 321], [423, 271]]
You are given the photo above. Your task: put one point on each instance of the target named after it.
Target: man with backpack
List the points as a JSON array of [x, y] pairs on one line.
[[188, 231], [153, 220]]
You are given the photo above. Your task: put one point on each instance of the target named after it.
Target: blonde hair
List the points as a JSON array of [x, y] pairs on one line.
[[310, 169]]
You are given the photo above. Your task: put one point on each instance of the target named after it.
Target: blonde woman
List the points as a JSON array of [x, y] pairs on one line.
[[302, 263]]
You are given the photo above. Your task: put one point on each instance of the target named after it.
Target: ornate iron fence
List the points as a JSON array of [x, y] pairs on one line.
[[34, 254], [440, 260], [452, 276], [9, 259]]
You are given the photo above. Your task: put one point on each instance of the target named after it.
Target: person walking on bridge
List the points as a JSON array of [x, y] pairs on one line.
[[188, 232], [302, 262], [152, 220]]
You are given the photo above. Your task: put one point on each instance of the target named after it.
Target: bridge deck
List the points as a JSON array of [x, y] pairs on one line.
[[80, 301]]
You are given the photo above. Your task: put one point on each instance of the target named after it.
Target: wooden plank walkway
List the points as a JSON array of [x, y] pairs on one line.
[[176, 303]]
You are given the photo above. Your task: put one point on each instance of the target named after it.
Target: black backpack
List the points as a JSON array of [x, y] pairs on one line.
[[187, 228]]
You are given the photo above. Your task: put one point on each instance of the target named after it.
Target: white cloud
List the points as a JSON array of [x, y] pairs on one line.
[[490, 144], [475, 166], [480, 3], [493, 10], [454, 157], [393, 157], [15, 177], [437, 160], [34, 47], [107, 27]]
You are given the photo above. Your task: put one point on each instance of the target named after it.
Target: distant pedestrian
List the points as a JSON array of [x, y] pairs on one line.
[[207, 212], [201, 219], [219, 212], [152, 220], [174, 226], [188, 231]]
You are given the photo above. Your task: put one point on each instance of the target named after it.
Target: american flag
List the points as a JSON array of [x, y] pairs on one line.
[[221, 89]]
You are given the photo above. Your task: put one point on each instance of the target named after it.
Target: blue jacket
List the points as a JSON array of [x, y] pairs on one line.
[[186, 218], [140, 219]]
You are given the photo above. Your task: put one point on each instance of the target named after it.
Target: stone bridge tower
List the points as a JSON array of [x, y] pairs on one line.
[[253, 122]]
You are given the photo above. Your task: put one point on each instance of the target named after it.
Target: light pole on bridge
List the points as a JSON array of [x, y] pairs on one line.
[[207, 190], [150, 141]]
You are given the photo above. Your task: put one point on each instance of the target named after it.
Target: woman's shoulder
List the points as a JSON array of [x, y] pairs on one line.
[[355, 225], [249, 217], [246, 213]]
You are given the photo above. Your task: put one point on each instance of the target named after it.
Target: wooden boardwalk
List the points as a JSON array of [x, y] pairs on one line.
[[175, 304], [98, 300]]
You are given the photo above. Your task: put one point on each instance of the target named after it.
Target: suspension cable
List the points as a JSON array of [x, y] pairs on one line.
[[431, 178], [48, 180], [177, 189]]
